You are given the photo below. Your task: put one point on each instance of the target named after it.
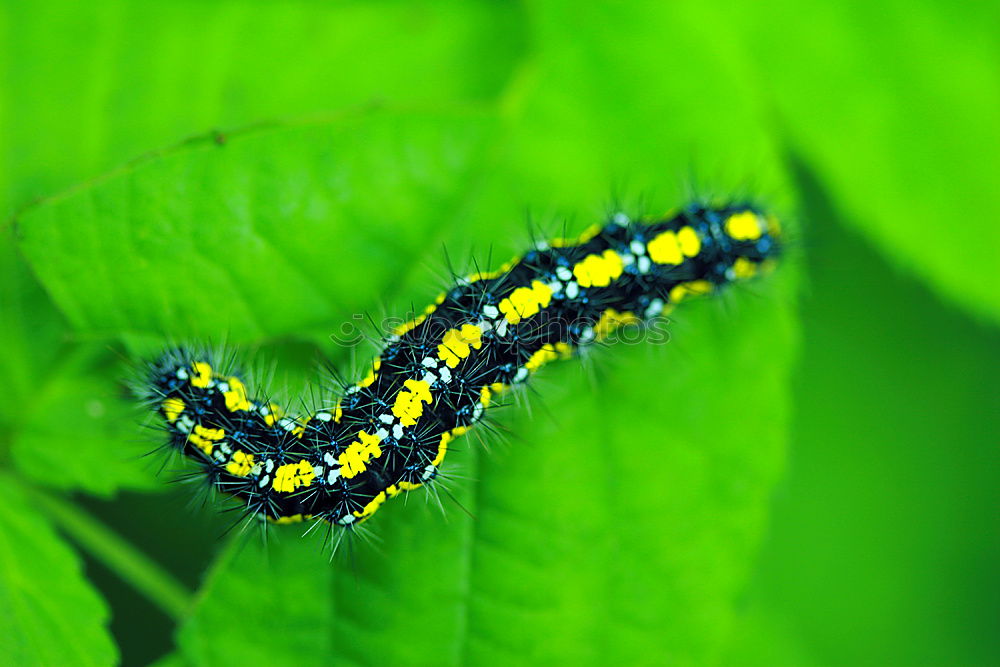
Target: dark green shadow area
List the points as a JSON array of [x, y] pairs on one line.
[[884, 538]]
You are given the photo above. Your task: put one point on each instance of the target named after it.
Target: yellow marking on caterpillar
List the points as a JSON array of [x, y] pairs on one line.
[[744, 268], [485, 396], [409, 326], [202, 374], [293, 518], [408, 486], [236, 397], [547, 353], [665, 249], [693, 288], [240, 464], [274, 413], [689, 242], [598, 270], [587, 234], [773, 225], [409, 405], [372, 374], [418, 320], [744, 226], [490, 275], [203, 438], [526, 301], [447, 437], [291, 476], [455, 345], [371, 507], [338, 412], [172, 408], [611, 319], [358, 453]]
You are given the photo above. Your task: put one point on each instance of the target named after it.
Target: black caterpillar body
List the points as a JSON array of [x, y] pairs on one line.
[[438, 373]]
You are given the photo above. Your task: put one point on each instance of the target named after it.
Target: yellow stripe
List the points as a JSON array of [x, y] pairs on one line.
[[526, 301], [352, 461], [598, 270]]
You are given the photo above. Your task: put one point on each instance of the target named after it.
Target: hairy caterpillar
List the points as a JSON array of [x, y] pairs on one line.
[[439, 372]]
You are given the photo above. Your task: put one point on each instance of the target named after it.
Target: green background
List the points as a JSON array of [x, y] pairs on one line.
[[806, 475]]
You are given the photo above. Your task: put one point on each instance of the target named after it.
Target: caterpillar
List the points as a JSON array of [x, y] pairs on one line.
[[439, 372]]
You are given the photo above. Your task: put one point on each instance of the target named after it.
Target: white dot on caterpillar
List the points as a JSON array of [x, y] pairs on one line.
[[564, 273], [587, 335], [637, 247], [521, 375], [386, 418], [288, 424], [445, 374], [429, 378], [429, 472], [644, 264], [329, 459], [333, 476], [502, 328], [397, 431], [654, 308], [628, 259], [382, 434], [346, 519], [269, 465], [264, 481], [572, 290], [185, 424], [182, 374], [620, 219], [429, 362], [323, 416], [491, 311]]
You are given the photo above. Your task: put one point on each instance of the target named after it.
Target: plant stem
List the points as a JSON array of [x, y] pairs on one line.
[[121, 557]]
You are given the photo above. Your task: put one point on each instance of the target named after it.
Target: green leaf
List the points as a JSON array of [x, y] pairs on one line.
[[258, 237], [51, 616], [79, 430], [24, 359], [138, 76], [894, 105], [883, 543]]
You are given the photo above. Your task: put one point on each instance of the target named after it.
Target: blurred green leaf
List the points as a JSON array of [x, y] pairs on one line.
[[884, 535], [31, 333], [51, 615], [80, 431], [140, 76], [894, 105], [279, 233]]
